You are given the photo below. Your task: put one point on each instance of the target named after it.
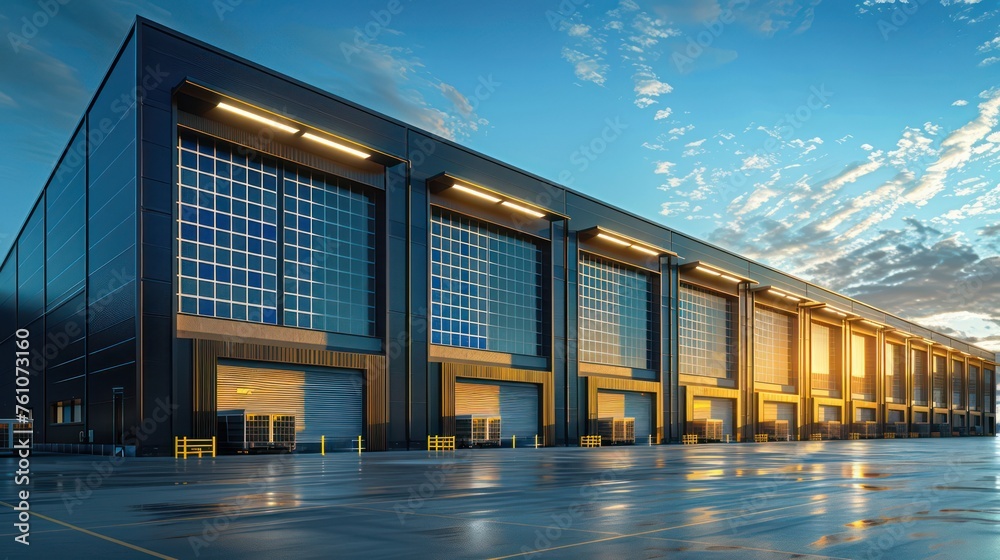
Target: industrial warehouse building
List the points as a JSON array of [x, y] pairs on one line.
[[222, 249]]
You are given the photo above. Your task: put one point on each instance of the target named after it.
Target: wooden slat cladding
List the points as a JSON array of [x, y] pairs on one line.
[[451, 371], [614, 384], [376, 390]]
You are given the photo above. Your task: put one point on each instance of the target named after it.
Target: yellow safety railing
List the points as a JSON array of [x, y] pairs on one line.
[[184, 446], [590, 441], [760, 438], [854, 435], [536, 441], [816, 437], [889, 435], [689, 439], [440, 443]]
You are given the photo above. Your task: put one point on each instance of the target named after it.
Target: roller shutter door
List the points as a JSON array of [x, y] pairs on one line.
[[325, 401], [781, 411], [828, 413], [515, 403], [717, 408], [895, 416], [628, 404], [864, 415]]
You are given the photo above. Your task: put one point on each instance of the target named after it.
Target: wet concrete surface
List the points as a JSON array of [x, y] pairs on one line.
[[841, 499]]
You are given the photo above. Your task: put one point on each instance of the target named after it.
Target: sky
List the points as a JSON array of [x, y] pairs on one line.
[[853, 144]]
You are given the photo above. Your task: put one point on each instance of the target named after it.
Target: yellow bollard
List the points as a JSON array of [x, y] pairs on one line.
[[359, 446], [513, 442], [536, 441], [213, 447], [322, 445]]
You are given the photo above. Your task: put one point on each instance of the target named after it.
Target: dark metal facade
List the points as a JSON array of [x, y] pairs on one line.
[[93, 276]]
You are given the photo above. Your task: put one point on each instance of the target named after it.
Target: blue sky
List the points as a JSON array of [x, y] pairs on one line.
[[854, 144]]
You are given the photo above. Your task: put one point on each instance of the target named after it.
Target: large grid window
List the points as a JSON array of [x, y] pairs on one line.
[[973, 387], [228, 232], [773, 350], [895, 373], [939, 387], [863, 367], [485, 286], [825, 357], [616, 314], [329, 254], [919, 359], [706, 333], [957, 382]]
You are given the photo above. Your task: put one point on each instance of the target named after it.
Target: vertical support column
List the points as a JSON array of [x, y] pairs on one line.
[[669, 361], [880, 389], [559, 338], [576, 404], [747, 405]]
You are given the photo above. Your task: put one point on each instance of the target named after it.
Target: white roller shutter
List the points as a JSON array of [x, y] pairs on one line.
[[640, 407], [610, 404], [477, 398], [515, 403], [325, 401], [780, 411], [829, 413], [718, 408], [864, 415], [628, 404]]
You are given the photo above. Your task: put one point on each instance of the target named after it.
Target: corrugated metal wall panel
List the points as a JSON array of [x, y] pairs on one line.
[[324, 402], [720, 409]]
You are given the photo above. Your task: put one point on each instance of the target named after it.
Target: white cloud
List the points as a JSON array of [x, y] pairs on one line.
[[849, 175], [694, 144], [643, 102], [956, 150], [681, 130], [671, 209], [990, 60], [663, 167], [652, 87], [586, 67], [911, 147], [867, 147], [578, 30], [758, 161], [959, 103], [845, 138], [663, 114]]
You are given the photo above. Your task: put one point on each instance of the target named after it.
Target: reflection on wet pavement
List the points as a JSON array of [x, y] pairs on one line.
[[841, 499]]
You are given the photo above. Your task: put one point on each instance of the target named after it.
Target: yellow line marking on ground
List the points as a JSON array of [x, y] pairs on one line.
[[641, 533], [93, 534]]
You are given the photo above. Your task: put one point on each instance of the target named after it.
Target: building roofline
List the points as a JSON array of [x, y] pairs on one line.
[[135, 31]]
